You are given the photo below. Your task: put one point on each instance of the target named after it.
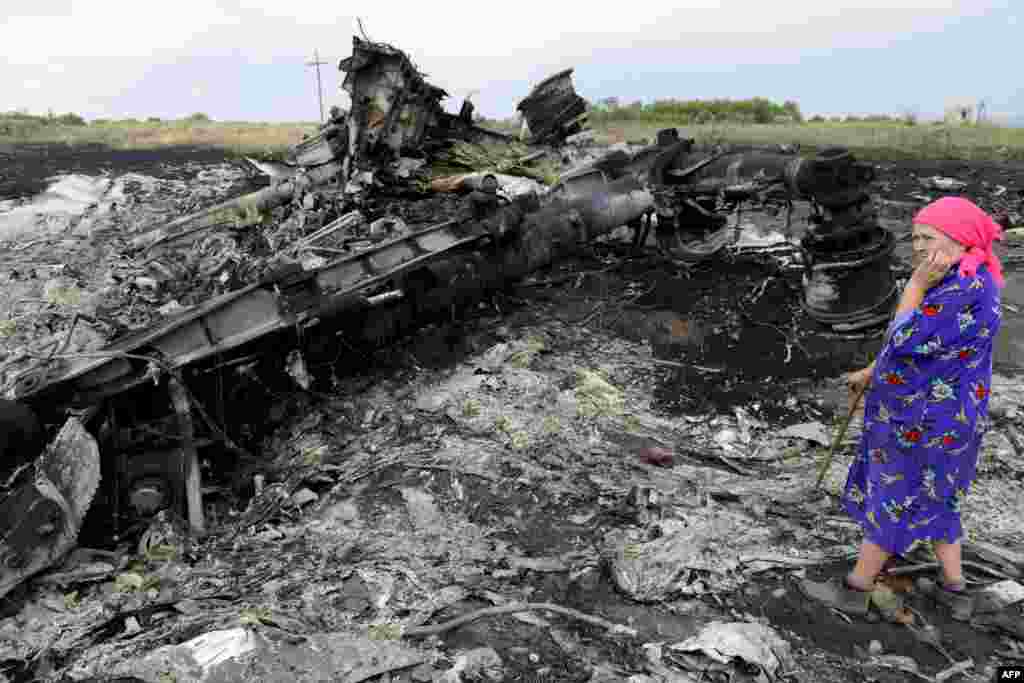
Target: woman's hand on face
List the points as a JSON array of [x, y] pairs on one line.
[[932, 270]]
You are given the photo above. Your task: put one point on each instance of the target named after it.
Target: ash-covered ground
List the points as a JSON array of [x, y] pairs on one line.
[[623, 437]]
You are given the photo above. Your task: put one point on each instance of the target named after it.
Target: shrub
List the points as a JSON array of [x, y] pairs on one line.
[[70, 119], [198, 117], [753, 110]]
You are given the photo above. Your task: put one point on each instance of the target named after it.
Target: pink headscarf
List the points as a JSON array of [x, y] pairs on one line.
[[966, 223]]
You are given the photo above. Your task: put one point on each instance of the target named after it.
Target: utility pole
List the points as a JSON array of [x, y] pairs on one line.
[[319, 91]]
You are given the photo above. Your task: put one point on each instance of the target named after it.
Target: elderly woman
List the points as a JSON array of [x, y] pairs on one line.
[[926, 407]]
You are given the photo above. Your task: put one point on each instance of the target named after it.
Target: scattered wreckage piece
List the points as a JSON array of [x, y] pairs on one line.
[[395, 112], [329, 143], [553, 111], [852, 289], [720, 646], [233, 212], [246, 654], [392, 105], [152, 454], [376, 295], [220, 325], [511, 186], [848, 282], [43, 504], [647, 165], [274, 170]]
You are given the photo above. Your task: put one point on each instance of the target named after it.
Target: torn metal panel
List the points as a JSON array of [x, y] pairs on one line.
[[42, 507], [553, 111], [647, 164], [275, 171], [327, 145], [692, 187], [393, 106], [579, 184]]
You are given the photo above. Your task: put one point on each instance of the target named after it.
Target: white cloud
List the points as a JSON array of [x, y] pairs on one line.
[[197, 92], [32, 84]]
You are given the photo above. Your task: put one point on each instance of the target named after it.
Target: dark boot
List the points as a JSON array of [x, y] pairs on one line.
[[835, 593], [960, 603]]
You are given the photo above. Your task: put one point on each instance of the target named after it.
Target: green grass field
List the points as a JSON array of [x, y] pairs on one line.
[[236, 137], [876, 140]]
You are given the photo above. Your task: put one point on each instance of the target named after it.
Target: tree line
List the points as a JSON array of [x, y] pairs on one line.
[[13, 122], [751, 110]]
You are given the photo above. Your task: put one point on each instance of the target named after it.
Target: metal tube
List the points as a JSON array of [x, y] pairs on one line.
[[385, 297]]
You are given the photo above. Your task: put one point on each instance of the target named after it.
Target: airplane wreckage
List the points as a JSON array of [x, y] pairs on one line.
[[128, 449]]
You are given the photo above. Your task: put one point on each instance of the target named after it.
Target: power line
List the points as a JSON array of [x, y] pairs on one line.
[[320, 91]]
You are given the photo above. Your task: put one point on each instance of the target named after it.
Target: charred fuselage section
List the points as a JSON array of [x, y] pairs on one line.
[[848, 283]]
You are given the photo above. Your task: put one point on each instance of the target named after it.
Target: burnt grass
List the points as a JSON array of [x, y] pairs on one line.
[[26, 168], [750, 331]]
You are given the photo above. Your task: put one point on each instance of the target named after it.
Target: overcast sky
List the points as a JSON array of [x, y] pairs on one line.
[[244, 59]]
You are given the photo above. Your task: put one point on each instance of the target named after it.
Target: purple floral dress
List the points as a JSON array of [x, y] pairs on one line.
[[924, 416]]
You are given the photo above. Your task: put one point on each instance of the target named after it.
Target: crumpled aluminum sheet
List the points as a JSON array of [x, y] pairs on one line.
[[710, 541], [753, 643]]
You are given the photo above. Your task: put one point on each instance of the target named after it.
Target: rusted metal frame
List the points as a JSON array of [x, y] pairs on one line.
[[189, 455], [215, 429], [119, 461]]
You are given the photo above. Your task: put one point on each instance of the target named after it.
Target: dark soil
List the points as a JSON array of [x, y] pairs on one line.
[[24, 169], [898, 181], [535, 527], [815, 625], [747, 330]]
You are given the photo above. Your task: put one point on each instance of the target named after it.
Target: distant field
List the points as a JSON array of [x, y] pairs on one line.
[[877, 141], [263, 139], [873, 140]]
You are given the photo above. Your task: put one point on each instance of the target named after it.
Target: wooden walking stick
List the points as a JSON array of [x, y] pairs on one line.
[[840, 433]]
